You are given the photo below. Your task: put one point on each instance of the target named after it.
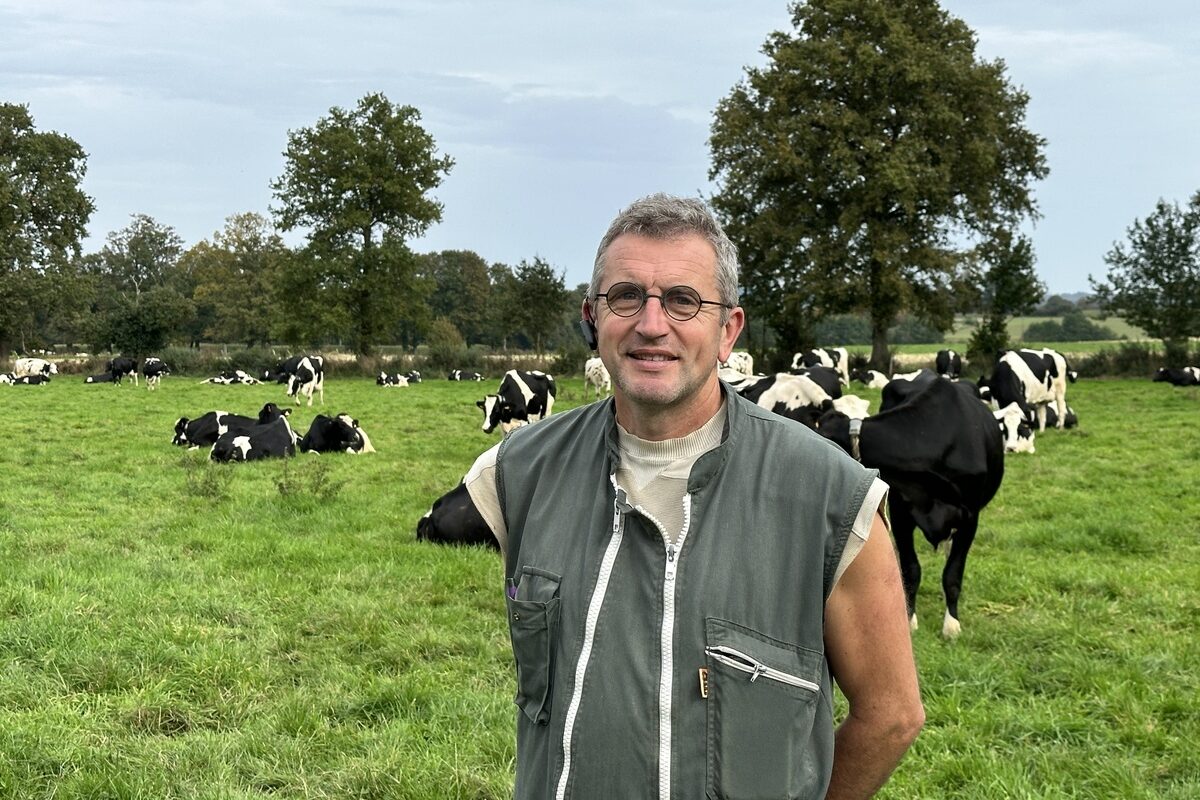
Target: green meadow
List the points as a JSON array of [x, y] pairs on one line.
[[171, 628]]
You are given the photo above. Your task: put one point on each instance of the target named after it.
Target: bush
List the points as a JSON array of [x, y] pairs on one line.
[[1075, 327], [910, 330]]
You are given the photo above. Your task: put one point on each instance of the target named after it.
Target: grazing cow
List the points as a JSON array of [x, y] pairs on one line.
[[340, 434], [1017, 433], [948, 364], [232, 378], [740, 361], [463, 375], [872, 379], [1188, 376], [23, 367], [853, 406], [154, 369], [207, 428], [1032, 379], [796, 397], [275, 439], [827, 378], [904, 385], [595, 376], [522, 399], [836, 357], [306, 375], [386, 380], [122, 366], [942, 454], [453, 519], [413, 376]]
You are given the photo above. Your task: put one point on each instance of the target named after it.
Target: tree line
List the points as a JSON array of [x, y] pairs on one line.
[[874, 166]]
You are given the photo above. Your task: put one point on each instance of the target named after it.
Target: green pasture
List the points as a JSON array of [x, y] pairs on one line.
[[175, 629]]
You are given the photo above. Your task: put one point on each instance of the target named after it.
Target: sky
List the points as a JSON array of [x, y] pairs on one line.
[[558, 114]]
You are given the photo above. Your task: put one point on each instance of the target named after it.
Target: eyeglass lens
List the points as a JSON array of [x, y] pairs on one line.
[[680, 302]]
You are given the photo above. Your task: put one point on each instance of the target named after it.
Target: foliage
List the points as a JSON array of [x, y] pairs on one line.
[[1154, 277], [536, 300], [358, 180], [463, 290], [1055, 306], [1074, 327], [1009, 287], [447, 349], [872, 140], [1129, 360], [43, 217]]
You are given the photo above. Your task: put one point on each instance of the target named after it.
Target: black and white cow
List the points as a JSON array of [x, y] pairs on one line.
[[796, 397], [463, 375], [413, 376], [941, 453], [1188, 376], [522, 399], [24, 367], [453, 519], [340, 434], [7, 379], [595, 376], [1032, 379], [233, 378], [827, 378], [872, 379], [154, 368], [1072, 420], [836, 357], [207, 428], [385, 380], [739, 361], [122, 366], [30, 380], [1015, 429], [306, 376], [100, 377], [275, 439], [948, 364]]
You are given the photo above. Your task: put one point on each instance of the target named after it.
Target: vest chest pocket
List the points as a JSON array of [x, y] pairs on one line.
[[533, 628], [762, 701]]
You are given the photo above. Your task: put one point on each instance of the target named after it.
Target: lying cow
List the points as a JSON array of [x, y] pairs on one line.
[[340, 434], [595, 376], [7, 378], [522, 399], [463, 375], [413, 376], [100, 377], [206, 429], [739, 361], [385, 380], [30, 380], [837, 358], [453, 519], [942, 454], [872, 379], [1188, 376], [233, 378], [24, 367], [275, 439]]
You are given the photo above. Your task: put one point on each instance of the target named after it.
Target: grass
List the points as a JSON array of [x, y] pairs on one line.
[[171, 628]]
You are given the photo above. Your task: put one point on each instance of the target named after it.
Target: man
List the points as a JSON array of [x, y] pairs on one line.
[[687, 571]]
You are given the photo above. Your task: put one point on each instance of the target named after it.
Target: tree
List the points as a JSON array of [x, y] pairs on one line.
[[1008, 286], [1153, 279], [43, 219], [359, 181], [232, 278], [851, 166], [539, 300], [463, 291]]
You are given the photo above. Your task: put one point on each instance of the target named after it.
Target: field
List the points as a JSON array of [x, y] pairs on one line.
[[175, 629]]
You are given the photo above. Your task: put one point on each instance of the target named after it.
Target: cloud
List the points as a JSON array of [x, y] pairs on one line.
[[1075, 50]]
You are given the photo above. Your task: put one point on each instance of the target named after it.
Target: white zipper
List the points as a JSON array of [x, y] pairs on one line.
[[755, 668], [589, 633]]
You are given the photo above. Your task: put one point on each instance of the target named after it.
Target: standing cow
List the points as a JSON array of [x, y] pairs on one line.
[[595, 376], [948, 364], [25, 367], [522, 399]]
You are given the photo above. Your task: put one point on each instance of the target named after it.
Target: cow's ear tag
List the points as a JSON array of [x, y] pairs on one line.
[[703, 682]]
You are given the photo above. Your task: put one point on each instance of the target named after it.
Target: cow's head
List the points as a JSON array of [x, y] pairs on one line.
[[271, 412], [181, 432], [497, 411], [382, 379], [1018, 435], [350, 435]]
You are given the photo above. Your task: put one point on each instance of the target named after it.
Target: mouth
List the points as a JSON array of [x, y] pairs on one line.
[[652, 357]]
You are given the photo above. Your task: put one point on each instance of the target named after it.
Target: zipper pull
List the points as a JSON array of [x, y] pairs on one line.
[[670, 554], [759, 669]]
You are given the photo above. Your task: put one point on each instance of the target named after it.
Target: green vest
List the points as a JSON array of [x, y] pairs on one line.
[[648, 670]]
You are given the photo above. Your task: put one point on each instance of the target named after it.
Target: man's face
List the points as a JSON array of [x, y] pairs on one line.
[[658, 362]]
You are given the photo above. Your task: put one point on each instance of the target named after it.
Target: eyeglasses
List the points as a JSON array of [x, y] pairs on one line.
[[680, 302]]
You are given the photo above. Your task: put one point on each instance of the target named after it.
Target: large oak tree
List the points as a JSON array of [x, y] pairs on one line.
[[859, 168], [359, 181]]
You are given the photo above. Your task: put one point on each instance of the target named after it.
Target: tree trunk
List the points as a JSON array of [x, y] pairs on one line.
[[881, 358]]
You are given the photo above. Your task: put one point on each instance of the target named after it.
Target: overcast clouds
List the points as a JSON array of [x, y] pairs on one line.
[[558, 113]]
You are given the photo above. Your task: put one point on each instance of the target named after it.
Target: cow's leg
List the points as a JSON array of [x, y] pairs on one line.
[[1041, 417], [903, 526], [952, 574], [1060, 405]]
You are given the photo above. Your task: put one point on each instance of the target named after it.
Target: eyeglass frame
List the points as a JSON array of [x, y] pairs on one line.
[[662, 300]]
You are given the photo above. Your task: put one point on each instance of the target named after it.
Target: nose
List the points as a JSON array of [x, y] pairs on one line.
[[652, 320]]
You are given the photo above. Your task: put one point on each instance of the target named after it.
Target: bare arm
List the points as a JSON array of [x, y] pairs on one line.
[[870, 654]]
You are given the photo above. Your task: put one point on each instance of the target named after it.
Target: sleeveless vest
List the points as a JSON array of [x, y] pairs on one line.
[[685, 670]]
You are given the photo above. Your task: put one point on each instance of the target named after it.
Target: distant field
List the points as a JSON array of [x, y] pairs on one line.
[[175, 629], [965, 326]]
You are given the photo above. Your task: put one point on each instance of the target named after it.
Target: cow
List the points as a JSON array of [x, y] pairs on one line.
[[740, 361], [1032, 379], [122, 366], [340, 434], [453, 519], [1015, 429], [1071, 421], [872, 379], [796, 397], [948, 364], [522, 399], [595, 376], [233, 378], [100, 377], [1188, 376], [463, 375], [275, 439], [942, 454], [836, 357], [23, 367], [7, 378], [413, 376], [207, 428], [827, 378], [306, 375], [30, 380], [853, 406], [385, 380], [154, 369], [902, 386]]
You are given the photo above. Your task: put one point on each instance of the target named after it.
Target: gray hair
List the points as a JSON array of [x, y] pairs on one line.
[[664, 216]]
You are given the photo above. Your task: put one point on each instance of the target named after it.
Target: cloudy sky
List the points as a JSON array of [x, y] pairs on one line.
[[559, 113]]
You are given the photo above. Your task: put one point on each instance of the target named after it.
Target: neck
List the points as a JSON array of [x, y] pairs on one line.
[[657, 423]]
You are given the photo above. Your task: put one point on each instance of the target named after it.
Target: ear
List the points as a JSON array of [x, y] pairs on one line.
[[730, 332], [479, 403]]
